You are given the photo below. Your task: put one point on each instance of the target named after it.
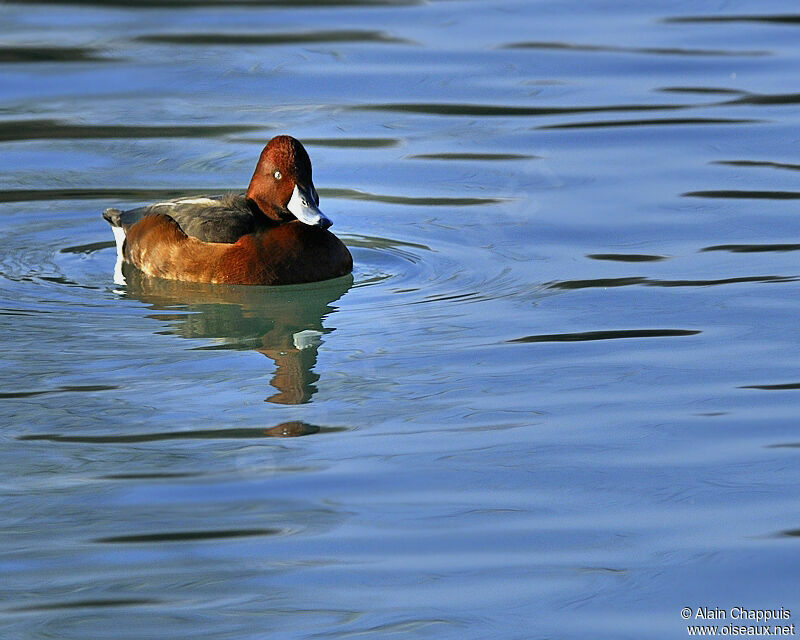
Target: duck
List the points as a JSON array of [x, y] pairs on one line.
[[273, 234]]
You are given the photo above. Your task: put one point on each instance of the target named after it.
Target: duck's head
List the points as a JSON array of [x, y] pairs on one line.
[[281, 185]]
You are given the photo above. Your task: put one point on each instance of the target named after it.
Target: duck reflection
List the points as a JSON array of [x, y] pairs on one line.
[[284, 323]]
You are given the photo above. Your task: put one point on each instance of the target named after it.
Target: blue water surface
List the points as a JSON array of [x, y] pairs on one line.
[[558, 397]]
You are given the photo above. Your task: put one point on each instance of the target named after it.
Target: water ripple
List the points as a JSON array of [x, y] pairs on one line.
[[617, 334], [658, 51], [702, 90], [474, 156], [36, 53], [273, 39], [626, 257], [190, 536], [752, 248], [63, 389], [411, 274], [15, 130], [786, 386], [746, 194], [758, 99], [637, 280], [652, 122], [488, 110], [758, 163], [352, 143], [91, 193], [353, 194], [96, 603], [381, 259], [774, 19]]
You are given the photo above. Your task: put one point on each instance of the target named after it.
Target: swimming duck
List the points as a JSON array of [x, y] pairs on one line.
[[272, 234]]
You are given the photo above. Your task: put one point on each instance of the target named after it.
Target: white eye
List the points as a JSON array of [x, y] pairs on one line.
[[277, 175]]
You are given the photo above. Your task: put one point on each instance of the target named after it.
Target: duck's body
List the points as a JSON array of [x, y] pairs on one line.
[[273, 234]]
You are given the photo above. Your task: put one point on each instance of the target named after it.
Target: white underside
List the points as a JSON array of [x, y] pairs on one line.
[[119, 236]]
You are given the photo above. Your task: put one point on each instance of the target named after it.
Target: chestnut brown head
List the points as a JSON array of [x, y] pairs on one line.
[[281, 185]]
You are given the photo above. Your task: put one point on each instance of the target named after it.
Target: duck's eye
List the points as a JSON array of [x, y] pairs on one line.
[[277, 175]]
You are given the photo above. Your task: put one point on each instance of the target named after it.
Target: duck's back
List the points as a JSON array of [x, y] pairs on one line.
[[222, 218]]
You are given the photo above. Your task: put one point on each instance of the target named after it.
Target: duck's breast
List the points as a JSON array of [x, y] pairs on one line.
[[291, 253]]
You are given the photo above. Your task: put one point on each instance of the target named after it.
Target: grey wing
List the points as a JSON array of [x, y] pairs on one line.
[[224, 218]]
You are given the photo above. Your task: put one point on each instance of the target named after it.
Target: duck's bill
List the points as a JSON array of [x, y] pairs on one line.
[[303, 207]]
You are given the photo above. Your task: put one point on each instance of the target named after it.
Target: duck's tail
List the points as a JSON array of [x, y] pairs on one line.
[[112, 216]]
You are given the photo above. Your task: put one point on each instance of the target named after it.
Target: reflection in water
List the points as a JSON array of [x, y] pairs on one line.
[[289, 429], [283, 323]]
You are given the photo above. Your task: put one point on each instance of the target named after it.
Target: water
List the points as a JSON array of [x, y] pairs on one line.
[[558, 397]]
